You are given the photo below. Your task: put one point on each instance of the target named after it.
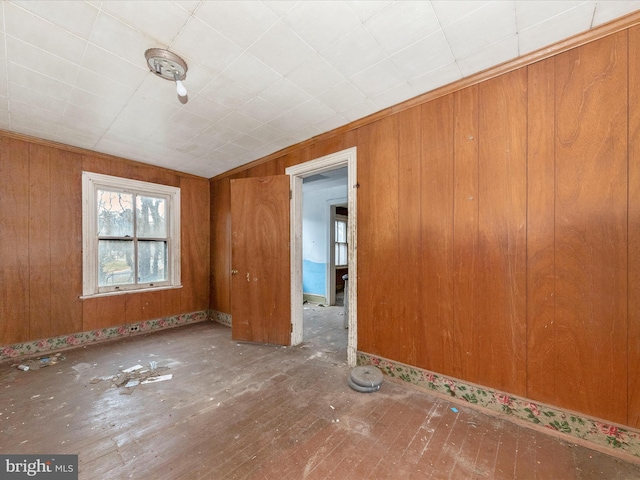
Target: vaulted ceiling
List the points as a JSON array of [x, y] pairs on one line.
[[262, 75]]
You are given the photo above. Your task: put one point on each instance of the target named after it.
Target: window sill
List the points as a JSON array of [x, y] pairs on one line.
[[125, 292]]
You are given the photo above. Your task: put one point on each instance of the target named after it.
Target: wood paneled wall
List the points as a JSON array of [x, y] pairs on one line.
[[498, 229], [41, 244]]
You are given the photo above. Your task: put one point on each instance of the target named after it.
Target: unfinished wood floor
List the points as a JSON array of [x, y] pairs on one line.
[[240, 411]]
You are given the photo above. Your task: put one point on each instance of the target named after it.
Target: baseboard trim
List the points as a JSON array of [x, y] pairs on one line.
[[221, 317], [596, 433], [74, 340]]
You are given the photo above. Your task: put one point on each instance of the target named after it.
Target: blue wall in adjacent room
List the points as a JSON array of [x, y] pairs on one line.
[[314, 278]]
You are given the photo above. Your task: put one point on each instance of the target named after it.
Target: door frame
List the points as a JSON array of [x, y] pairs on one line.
[[331, 254], [343, 158]]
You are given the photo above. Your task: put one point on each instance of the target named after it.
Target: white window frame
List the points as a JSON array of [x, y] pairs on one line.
[[91, 182], [345, 219]]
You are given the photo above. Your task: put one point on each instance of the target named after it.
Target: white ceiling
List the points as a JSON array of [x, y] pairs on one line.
[[262, 75]]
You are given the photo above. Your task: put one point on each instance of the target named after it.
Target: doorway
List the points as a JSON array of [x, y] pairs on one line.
[[345, 158]]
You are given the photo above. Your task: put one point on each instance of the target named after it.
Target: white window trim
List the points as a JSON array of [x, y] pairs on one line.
[[90, 184]]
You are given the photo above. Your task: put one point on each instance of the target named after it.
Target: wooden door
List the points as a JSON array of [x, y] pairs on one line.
[[260, 260]]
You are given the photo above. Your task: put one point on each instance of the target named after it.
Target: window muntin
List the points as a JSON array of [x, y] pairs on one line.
[[340, 242], [130, 233]]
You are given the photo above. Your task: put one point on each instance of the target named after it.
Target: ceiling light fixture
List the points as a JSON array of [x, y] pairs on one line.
[[169, 66]]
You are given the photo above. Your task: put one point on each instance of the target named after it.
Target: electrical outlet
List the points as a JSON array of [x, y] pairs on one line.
[[134, 328]]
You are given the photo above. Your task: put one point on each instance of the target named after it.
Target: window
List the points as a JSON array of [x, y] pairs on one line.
[[340, 241], [131, 235]]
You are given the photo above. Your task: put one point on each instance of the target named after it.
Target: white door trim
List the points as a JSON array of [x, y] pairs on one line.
[[346, 158]]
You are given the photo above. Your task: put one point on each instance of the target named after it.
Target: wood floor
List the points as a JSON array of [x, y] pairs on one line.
[[241, 411]]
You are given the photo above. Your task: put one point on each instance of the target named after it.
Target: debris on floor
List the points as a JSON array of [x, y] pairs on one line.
[[40, 362], [128, 379]]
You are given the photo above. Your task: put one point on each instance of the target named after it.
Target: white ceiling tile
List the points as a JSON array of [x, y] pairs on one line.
[[207, 142], [365, 9], [305, 133], [313, 111], [239, 122], [266, 133], [359, 110], [188, 5], [72, 16], [121, 40], [315, 76], [160, 24], [494, 54], [25, 112], [342, 96], [437, 78], [250, 62], [285, 94], [251, 74], [38, 82], [260, 109], [611, 9], [322, 23], [221, 132], [3, 48], [40, 99], [113, 67], [555, 28], [71, 124], [225, 92], [286, 124], [486, 26], [280, 7], [402, 24], [330, 123], [203, 107], [284, 142], [395, 95], [425, 55], [198, 76], [156, 88], [84, 99], [187, 125], [106, 88], [354, 53], [248, 142], [40, 61], [194, 149], [203, 44], [281, 49], [97, 118], [232, 150], [202, 168], [244, 22], [35, 31], [77, 137], [532, 12], [449, 12], [378, 78], [32, 128], [142, 116]]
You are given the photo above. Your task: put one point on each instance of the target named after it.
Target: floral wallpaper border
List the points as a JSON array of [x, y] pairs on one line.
[[220, 317], [603, 434], [62, 342]]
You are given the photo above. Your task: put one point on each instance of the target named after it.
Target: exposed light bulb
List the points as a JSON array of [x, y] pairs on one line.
[[180, 88]]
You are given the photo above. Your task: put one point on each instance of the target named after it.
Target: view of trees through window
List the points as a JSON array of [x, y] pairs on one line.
[[132, 248]]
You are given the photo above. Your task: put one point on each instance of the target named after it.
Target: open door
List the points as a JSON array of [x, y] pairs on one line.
[[260, 260]]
